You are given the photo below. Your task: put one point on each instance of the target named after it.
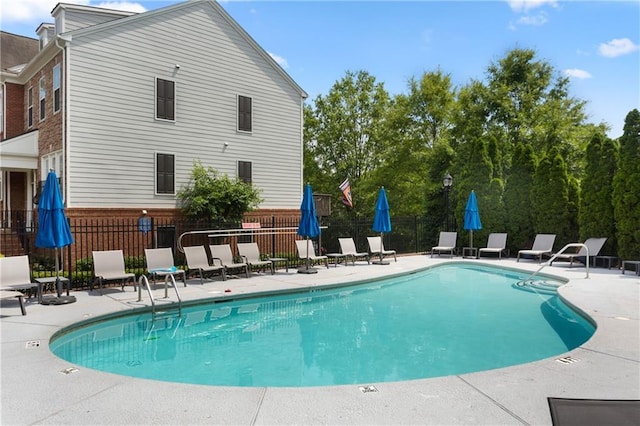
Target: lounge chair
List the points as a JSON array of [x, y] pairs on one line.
[[593, 244], [348, 249], [108, 265], [301, 245], [376, 248], [543, 244], [197, 261], [497, 243], [446, 244], [160, 264], [250, 253], [15, 274], [222, 253]]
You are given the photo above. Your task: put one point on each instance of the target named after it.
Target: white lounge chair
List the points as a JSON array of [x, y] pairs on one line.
[[197, 261], [108, 265], [301, 245], [160, 263], [543, 244], [222, 253], [446, 244], [497, 243], [348, 248], [376, 247], [250, 253], [15, 274], [593, 244]]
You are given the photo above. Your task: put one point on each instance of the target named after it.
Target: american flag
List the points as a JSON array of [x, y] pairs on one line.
[[345, 187]]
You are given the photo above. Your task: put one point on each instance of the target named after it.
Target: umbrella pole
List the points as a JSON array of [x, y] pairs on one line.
[[471, 239], [57, 262], [307, 268], [381, 247]]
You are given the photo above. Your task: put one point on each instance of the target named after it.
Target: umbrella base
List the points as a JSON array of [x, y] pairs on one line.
[[380, 262], [307, 270], [62, 300]]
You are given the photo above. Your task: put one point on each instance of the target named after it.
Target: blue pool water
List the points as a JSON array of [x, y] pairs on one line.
[[451, 319]]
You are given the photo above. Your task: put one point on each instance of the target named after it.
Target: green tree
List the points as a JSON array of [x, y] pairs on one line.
[[596, 202], [344, 133], [550, 198], [517, 199], [210, 195], [626, 189]]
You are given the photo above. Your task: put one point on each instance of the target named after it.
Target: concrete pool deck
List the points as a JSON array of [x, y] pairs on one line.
[[37, 387]]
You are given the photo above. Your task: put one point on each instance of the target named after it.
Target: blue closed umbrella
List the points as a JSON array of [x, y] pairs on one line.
[[308, 226], [382, 218], [53, 227], [472, 216]]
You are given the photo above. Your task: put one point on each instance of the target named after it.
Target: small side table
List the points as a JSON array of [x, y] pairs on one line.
[[470, 252], [606, 260], [336, 258], [51, 280], [635, 263], [280, 259]]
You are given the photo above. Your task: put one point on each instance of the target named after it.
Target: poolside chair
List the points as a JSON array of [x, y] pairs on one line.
[[222, 253], [593, 244], [250, 253], [15, 274], [160, 264], [197, 261], [301, 245], [348, 248], [496, 243], [543, 244], [446, 244], [376, 247], [108, 265]]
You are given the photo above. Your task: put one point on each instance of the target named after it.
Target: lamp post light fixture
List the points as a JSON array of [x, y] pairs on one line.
[[447, 181]]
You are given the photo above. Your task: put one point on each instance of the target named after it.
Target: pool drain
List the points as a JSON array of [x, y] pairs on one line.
[[567, 360], [367, 389]]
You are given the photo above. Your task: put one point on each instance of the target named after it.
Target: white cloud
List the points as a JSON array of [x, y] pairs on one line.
[[617, 47], [535, 20], [577, 73], [523, 6], [121, 5], [280, 60]]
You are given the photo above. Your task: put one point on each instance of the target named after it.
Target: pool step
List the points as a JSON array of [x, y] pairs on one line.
[[538, 286]]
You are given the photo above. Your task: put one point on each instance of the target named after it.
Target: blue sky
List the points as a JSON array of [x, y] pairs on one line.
[[595, 43]]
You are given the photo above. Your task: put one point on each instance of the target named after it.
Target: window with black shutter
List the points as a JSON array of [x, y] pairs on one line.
[[244, 113], [244, 171], [165, 99], [165, 173]]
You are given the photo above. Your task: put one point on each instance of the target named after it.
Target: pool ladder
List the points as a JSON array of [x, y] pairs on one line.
[[528, 282], [145, 281]]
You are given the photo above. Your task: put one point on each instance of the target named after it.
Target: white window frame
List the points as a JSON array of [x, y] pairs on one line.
[[155, 173], [30, 107], [155, 100], [53, 160], [42, 99], [56, 89], [238, 114]]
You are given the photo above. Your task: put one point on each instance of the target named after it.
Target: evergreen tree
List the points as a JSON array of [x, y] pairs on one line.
[[626, 189], [517, 199], [596, 217], [550, 198]]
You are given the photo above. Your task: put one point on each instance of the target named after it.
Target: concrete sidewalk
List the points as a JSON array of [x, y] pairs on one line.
[[38, 388]]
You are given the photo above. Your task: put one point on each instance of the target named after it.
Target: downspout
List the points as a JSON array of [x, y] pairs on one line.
[[65, 114]]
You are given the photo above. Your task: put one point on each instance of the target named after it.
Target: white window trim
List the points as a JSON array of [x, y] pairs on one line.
[[248, 132], [42, 87], [30, 106], [53, 91], [155, 173], [52, 160], [155, 100]]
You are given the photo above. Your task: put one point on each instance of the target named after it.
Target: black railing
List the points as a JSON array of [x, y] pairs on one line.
[[409, 235]]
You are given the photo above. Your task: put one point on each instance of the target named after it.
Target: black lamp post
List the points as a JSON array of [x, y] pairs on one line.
[[447, 181]]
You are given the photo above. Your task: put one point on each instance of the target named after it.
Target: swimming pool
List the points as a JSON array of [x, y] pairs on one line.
[[449, 319]]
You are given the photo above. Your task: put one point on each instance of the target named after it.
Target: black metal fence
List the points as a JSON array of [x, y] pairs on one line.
[[133, 236]]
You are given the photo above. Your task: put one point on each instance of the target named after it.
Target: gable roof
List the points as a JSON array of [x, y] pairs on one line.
[[16, 49], [211, 3]]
